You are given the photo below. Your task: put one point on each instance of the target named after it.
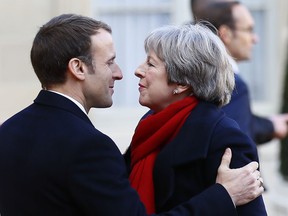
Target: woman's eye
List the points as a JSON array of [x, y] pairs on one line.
[[149, 64]]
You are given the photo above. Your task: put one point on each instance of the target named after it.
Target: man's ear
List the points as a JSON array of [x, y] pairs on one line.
[[77, 68], [225, 33]]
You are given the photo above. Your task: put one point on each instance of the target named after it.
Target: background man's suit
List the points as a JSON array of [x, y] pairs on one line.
[[258, 128]]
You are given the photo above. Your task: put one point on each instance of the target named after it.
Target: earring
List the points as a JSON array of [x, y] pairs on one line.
[[175, 91]]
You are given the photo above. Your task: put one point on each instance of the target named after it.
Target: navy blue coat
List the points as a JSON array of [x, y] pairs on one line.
[[260, 129], [53, 162], [188, 164]]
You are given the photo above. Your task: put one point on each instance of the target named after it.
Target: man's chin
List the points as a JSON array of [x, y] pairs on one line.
[[104, 105]]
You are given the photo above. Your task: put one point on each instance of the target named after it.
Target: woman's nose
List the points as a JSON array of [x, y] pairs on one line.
[[140, 70]]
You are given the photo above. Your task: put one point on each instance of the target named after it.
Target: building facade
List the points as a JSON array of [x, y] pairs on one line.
[[131, 21]]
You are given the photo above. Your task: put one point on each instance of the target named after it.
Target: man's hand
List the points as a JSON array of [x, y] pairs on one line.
[[243, 184], [280, 124]]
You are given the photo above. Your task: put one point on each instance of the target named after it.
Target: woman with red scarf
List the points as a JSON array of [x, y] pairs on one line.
[[178, 144]]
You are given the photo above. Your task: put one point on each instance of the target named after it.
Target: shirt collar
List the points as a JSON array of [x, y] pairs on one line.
[[234, 65], [72, 99]]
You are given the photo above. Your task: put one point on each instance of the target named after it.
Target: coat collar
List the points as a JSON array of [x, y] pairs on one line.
[[49, 98], [194, 136]]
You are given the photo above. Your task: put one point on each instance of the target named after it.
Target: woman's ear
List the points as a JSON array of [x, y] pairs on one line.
[[77, 68], [182, 88]]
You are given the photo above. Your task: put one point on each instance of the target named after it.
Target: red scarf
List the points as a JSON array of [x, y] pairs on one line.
[[151, 134]]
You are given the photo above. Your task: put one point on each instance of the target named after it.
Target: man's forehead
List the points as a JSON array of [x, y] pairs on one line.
[[242, 16], [102, 40]]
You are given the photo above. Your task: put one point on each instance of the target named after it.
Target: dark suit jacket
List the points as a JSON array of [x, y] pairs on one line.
[[258, 128], [188, 164], [54, 162]]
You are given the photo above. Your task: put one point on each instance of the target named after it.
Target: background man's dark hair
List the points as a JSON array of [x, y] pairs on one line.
[[216, 12]]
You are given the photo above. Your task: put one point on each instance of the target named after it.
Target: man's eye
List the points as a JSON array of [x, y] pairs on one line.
[[110, 63]]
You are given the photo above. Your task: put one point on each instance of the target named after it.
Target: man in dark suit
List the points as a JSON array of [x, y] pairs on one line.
[[235, 27], [52, 159]]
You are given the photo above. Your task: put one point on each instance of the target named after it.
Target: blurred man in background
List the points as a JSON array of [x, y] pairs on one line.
[[235, 26]]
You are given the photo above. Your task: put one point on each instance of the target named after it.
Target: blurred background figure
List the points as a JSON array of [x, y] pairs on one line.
[[235, 26]]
